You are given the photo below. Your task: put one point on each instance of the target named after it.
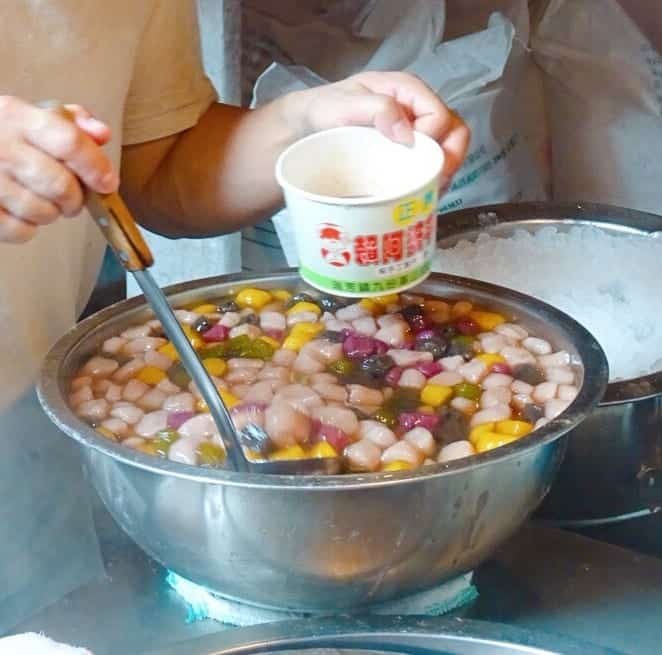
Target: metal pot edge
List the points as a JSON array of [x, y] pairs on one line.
[[52, 397]]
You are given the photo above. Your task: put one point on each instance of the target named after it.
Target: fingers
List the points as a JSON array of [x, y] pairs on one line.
[[43, 159], [381, 109], [15, 230], [391, 120], [93, 127], [359, 106], [428, 114], [44, 177], [455, 144], [61, 140], [67, 143], [23, 204]]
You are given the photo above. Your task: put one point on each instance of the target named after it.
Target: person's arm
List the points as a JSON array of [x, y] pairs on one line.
[[212, 178], [219, 175]]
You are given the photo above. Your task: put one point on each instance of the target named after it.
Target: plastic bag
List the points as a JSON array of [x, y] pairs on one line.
[[182, 260], [487, 76], [48, 546], [604, 83]]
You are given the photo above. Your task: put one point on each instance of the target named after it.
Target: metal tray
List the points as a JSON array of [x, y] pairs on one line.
[[382, 635]]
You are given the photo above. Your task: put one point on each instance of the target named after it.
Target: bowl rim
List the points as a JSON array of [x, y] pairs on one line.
[[452, 226], [382, 634], [53, 397], [369, 201]]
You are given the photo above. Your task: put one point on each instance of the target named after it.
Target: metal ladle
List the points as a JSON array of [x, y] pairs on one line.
[[125, 239]]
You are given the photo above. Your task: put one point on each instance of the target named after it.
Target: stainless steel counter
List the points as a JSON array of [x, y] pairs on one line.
[[544, 579]]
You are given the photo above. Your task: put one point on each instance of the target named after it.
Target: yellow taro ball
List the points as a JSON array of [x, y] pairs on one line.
[[371, 305], [514, 428], [311, 329], [293, 452], [490, 359], [492, 440], [436, 394], [194, 338], [281, 294], [151, 375], [304, 307], [215, 366], [205, 309], [487, 320], [322, 449], [385, 301], [228, 398], [169, 351], [253, 298], [397, 465], [480, 430]]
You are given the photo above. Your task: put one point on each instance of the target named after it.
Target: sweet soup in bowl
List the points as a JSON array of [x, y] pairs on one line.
[[389, 383]]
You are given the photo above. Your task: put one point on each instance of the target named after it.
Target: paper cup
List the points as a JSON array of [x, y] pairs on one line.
[[363, 209]]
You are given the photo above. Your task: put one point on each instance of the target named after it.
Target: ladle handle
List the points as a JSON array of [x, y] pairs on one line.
[[123, 235], [113, 217]]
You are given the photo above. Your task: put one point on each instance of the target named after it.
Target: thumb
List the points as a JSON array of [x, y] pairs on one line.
[[98, 131]]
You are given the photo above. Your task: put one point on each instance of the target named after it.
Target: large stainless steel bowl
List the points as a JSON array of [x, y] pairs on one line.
[[323, 543], [613, 468]]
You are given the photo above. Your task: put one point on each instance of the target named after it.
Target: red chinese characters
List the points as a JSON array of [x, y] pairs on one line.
[[394, 246], [415, 238], [366, 250], [428, 228]]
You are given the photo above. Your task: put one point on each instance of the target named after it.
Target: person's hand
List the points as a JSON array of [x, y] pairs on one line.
[[42, 158], [394, 103]]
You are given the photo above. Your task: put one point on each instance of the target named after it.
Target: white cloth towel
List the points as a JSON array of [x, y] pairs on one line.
[[31, 643], [205, 604]]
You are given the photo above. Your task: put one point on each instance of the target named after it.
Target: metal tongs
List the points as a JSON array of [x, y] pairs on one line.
[[125, 239]]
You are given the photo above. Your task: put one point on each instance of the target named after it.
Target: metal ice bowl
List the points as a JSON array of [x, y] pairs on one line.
[[613, 468], [328, 543]]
